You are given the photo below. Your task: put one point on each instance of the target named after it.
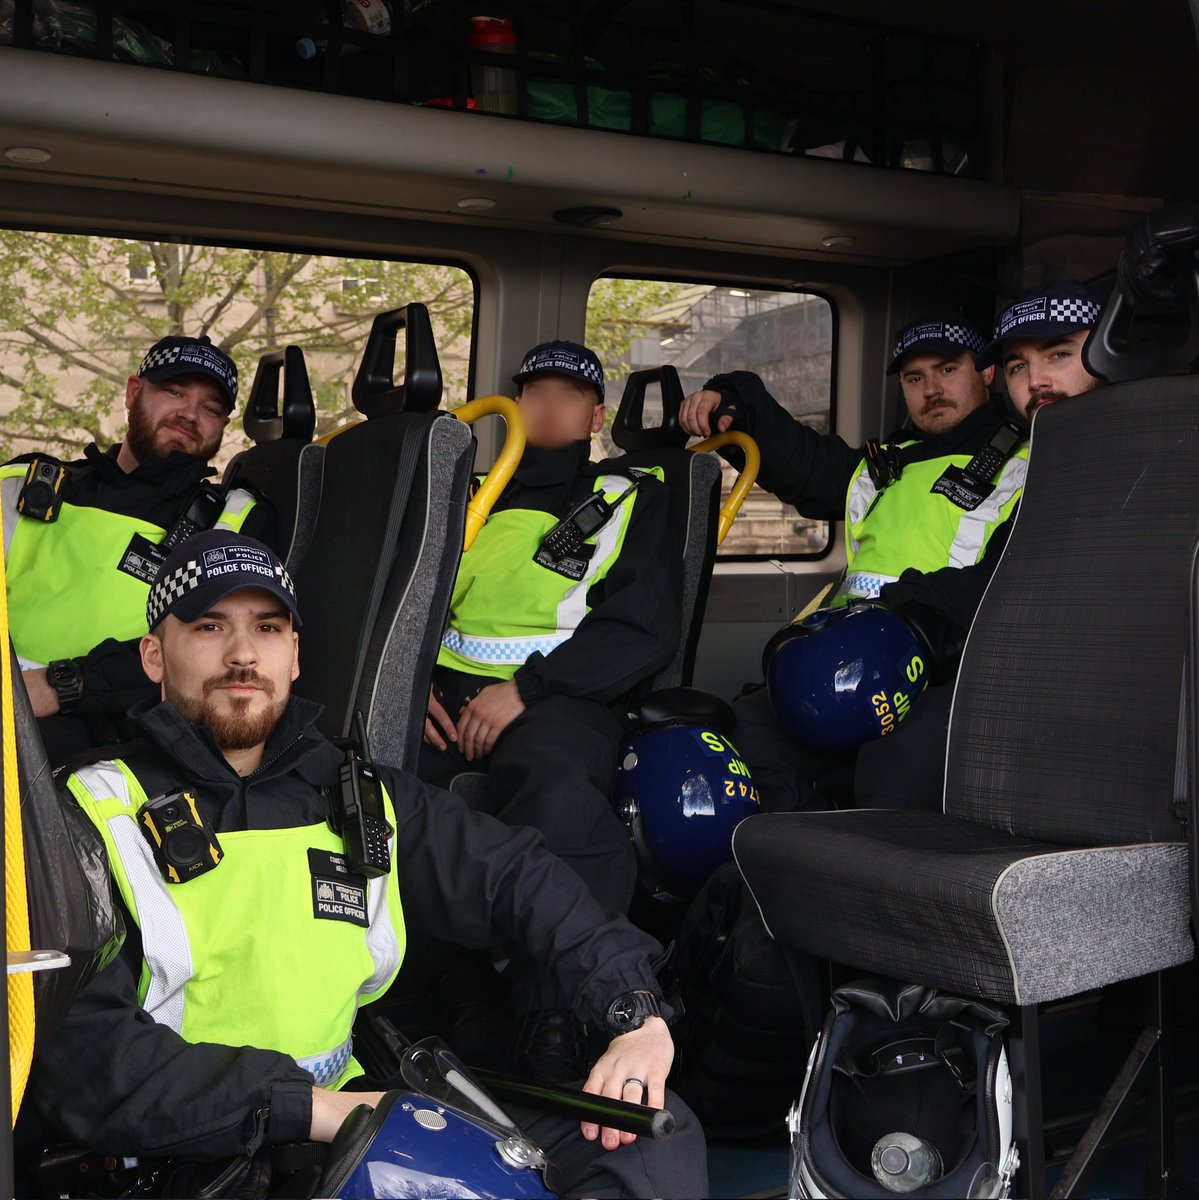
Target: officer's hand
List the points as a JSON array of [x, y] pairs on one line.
[[439, 726], [695, 415], [486, 717], [43, 699], [644, 1055], [330, 1109]]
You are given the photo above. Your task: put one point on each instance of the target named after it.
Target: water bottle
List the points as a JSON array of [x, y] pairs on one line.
[[904, 1163], [494, 87]]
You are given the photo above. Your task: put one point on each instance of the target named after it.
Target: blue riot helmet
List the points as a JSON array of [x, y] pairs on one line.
[[682, 788], [439, 1133], [847, 674]]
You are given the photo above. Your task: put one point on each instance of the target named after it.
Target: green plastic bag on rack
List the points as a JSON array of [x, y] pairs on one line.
[[721, 121], [556, 99]]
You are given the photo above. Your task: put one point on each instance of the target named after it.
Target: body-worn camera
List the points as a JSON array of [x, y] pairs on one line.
[[41, 494], [183, 845]]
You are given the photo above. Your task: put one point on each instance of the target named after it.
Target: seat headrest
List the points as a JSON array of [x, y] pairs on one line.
[[628, 429], [375, 392], [265, 418]]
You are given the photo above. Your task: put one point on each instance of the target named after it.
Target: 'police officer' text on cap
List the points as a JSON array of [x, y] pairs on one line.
[[210, 565], [950, 334], [563, 358], [1046, 311], [171, 357]]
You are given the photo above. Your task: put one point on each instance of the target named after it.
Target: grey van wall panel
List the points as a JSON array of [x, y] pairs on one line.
[[118, 126]]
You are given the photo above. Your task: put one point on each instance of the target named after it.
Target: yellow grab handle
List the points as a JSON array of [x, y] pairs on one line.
[[749, 473], [505, 464]]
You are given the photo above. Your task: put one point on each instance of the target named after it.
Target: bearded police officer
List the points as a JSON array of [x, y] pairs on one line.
[[225, 1023], [914, 515], [83, 540], [569, 598]]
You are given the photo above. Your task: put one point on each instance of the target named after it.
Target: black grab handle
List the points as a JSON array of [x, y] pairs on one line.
[[375, 391]]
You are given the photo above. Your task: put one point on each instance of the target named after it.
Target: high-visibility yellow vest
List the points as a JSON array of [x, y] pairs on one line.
[[239, 955], [907, 524], [66, 589], [506, 607]]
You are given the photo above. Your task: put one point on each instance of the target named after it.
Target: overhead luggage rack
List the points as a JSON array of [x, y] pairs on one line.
[[757, 74]]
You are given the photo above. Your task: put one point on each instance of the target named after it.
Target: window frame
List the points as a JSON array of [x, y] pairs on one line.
[[724, 281]]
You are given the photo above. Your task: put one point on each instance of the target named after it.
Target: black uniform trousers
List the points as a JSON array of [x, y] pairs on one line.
[[905, 770], [554, 769]]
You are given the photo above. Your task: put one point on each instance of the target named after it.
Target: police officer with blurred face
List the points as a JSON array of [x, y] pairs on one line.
[[84, 540], [544, 635]]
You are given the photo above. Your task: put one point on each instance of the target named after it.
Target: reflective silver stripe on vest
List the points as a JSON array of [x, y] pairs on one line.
[[500, 649], [236, 503], [327, 1068], [971, 537], [10, 491], [381, 938], [164, 934], [861, 495], [573, 606], [864, 583]]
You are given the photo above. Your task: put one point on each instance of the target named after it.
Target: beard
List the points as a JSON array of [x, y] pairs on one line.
[[238, 728], [144, 434]]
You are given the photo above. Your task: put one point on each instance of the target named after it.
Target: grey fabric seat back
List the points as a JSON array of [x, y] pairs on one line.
[[375, 584], [1064, 722]]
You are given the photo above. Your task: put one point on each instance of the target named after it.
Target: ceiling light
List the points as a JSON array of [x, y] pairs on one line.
[[476, 204], [740, 292], [27, 154], [838, 242]]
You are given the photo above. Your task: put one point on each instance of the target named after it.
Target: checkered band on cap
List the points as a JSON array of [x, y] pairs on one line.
[[1076, 312], [566, 362], [172, 586], [169, 589], [191, 354], [962, 335]]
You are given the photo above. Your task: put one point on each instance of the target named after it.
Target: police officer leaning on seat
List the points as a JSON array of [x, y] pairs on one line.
[[543, 637], [81, 539], [911, 523], [225, 1022]]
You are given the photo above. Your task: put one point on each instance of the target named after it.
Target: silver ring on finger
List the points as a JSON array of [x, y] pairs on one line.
[[633, 1079]]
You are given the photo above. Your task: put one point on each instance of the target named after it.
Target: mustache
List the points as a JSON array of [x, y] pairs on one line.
[[1044, 398], [185, 423], [932, 405], [240, 677]]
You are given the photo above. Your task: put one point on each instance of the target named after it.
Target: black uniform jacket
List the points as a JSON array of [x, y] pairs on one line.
[[119, 1083], [632, 630], [156, 491], [814, 471]]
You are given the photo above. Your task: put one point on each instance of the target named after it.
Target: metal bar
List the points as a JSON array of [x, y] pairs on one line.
[[1077, 1172], [1024, 1048]]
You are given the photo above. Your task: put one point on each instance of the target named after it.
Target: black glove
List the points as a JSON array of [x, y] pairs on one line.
[[1158, 259], [941, 638], [738, 390]]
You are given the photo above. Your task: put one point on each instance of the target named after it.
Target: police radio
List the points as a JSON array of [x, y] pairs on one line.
[[202, 512], [183, 844], [562, 548], [359, 815]]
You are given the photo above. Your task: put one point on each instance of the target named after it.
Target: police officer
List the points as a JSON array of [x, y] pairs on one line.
[[225, 1022], [912, 517], [81, 539], [1037, 345], [541, 641]]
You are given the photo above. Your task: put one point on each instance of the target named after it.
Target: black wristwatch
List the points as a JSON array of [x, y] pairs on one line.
[[65, 676], [629, 1011]]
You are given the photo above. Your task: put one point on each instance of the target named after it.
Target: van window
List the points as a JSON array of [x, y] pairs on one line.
[[77, 313], [703, 330]]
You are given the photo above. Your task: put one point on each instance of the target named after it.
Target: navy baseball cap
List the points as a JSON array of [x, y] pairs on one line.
[[1045, 311], [207, 567], [170, 357], [945, 333], [563, 358]]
